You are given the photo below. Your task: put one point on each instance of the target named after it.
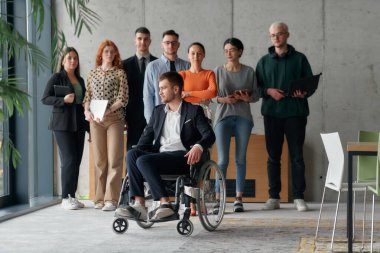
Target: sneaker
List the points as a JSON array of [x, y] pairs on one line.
[[272, 204], [215, 208], [238, 205], [69, 204], [300, 205], [109, 206], [164, 211], [79, 204], [99, 205], [136, 210]]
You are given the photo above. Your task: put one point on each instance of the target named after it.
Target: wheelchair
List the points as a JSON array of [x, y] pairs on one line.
[[200, 184]]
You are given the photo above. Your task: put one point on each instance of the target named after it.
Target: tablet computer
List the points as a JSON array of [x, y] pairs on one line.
[[62, 90], [238, 92], [308, 84]]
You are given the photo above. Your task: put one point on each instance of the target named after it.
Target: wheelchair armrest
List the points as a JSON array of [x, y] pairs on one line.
[[146, 148]]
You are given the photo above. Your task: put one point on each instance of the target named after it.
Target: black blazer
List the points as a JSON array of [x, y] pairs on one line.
[[64, 117], [195, 128], [135, 108]]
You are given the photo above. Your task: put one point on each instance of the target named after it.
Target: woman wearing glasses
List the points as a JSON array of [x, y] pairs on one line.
[[237, 88]]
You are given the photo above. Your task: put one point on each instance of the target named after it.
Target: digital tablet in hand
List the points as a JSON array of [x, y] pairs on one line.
[[62, 90], [308, 84], [245, 91]]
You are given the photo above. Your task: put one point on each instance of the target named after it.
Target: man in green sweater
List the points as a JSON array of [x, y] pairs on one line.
[[284, 114]]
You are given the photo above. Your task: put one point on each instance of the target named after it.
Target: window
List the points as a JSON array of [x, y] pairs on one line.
[[3, 182]]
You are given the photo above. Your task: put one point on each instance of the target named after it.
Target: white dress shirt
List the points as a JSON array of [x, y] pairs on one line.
[[171, 132]]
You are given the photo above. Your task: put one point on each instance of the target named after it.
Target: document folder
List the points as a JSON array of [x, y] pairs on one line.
[[62, 90]]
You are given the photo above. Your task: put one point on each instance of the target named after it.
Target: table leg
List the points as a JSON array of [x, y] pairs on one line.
[[349, 203]]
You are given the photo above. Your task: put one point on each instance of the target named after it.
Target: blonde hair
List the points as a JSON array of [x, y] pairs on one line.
[[279, 24]]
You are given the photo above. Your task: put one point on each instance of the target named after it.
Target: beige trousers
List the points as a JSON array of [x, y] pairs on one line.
[[108, 148]]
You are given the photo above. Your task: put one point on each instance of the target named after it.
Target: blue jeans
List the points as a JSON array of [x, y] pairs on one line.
[[224, 130]]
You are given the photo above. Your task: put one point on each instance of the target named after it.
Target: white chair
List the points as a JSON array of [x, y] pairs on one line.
[[375, 190], [335, 155]]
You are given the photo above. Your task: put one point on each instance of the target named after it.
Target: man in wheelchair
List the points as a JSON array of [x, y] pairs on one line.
[[174, 138]]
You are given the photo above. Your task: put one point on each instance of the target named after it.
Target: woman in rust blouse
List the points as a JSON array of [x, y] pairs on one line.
[[107, 81]]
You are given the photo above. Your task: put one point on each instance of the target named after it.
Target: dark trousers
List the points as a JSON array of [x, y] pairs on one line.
[[135, 129], [294, 129], [145, 166], [70, 146]]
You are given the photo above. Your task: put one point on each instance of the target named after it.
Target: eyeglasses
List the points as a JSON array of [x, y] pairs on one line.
[[276, 35], [231, 50], [173, 43]]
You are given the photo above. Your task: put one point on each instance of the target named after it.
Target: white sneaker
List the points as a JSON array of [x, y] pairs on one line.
[[272, 204], [109, 206], [79, 204], [136, 210], [69, 204], [164, 211], [99, 205], [300, 205]]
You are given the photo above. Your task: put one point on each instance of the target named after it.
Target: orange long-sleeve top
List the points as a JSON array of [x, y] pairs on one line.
[[201, 85]]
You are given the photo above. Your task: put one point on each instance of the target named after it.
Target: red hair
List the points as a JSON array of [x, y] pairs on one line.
[[116, 62]]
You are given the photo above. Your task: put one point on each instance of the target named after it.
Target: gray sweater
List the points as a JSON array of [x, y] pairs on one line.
[[228, 82]]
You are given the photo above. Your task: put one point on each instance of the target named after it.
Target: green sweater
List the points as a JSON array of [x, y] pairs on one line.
[[273, 71]]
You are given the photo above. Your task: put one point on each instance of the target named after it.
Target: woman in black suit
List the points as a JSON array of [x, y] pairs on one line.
[[65, 92]]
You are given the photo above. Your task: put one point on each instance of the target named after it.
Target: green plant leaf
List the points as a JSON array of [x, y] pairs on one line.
[[80, 15], [15, 46]]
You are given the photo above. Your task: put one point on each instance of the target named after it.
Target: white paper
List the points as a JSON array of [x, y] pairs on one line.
[[98, 108]]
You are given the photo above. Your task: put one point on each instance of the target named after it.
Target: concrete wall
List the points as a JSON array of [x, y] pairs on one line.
[[339, 37]]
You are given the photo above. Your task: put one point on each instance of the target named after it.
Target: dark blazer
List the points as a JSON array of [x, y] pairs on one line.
[[64, 117], [195, 128], [135, 108]]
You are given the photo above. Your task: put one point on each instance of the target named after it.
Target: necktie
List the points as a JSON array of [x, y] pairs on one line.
[[172, 66], [142, 65]]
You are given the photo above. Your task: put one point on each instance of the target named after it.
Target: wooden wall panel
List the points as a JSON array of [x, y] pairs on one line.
[[257, 168]]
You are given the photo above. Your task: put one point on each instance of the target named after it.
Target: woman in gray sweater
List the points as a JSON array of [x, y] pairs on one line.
[[237, 88]]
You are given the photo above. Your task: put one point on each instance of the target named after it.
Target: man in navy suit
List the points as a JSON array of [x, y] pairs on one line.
[[134, 66], [178, 132]]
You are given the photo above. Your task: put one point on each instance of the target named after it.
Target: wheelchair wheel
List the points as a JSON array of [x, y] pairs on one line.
[[120, 225], [185, 227], [212, 197]]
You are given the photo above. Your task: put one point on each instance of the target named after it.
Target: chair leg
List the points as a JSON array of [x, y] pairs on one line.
[[320, 213], [336, 216], [373, 216], [353, 216], [364, 217]]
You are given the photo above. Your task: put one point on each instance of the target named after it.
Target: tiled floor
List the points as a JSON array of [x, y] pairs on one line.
[[88, 230]]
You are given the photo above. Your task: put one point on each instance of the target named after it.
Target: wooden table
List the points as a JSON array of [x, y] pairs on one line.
[[355, 149]]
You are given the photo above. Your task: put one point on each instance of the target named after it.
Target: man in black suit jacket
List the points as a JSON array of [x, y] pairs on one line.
[[179, 132], [134, 66]]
